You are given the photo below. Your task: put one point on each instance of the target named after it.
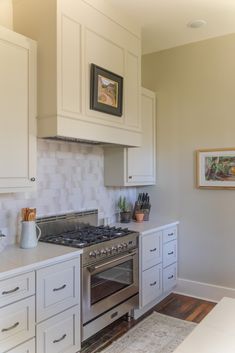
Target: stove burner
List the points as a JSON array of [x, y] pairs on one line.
[[84, 235]]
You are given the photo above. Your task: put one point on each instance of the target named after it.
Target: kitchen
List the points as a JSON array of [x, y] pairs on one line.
[[85, 190]]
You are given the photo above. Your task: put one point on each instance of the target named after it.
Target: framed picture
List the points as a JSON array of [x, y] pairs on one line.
[[216, 168], [105, 91]]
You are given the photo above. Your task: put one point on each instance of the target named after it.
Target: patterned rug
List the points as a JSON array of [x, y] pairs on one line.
[[156, 334]]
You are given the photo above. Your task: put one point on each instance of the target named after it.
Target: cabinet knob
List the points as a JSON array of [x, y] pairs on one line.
[[130, 177], [32, 179]]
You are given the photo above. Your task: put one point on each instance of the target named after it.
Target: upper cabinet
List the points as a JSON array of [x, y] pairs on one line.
[[72, 35], [135, 166], [17, 112]]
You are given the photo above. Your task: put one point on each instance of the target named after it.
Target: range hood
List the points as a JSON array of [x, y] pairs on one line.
[[72, 35]]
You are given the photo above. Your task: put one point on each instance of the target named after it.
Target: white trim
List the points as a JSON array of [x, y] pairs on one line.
[[202, 290]]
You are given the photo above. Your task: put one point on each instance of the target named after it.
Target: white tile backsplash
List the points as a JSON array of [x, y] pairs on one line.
[[69, 178]]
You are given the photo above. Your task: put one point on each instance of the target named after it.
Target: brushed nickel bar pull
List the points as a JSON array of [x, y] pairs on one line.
[[170, 277], [170, 234], [153, 284], [171, 253], [152, 250], [93, 268], [10, 291], [11, 327], [60, 288], [60, 339]]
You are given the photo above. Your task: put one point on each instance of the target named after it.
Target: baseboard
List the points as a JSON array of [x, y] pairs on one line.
[[202, 290]]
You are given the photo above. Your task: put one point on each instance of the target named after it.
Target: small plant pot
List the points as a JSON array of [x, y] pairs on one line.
[[139, 217], [125, 217]]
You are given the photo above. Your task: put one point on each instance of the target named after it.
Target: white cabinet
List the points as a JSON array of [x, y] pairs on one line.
[[61, 333], [17, 112], [75, 35], [17, 323], [135, 166], [53, 293], [28, 347], [158, 265], [57, 288]]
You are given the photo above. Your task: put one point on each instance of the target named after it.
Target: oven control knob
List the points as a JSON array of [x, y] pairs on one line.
[[97, 252], [92, 254], [124, 245], [104, 251], [113, 249], [108, 250], [120, 246]]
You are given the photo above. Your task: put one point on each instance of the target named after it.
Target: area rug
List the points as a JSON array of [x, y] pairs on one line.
[[158, 333]]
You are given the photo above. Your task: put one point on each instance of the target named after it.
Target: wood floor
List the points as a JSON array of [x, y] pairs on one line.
[[179, 306]]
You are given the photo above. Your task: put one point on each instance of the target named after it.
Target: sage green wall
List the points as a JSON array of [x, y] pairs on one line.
[[195, 87]]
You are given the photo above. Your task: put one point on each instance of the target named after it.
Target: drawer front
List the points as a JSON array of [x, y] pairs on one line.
[[151, 284], [60, 333], [17, 288], [169, 253], [151, 250], [58, 288], [17, 323], [28, 347], [169, 234], [169, 277]]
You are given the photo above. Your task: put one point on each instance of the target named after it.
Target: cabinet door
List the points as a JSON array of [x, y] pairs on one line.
[[151, 250], [141, 161], [60, 334], [57, 288], [17, 112], [169, 253], [151, 287], [17, 323], [28, 347]]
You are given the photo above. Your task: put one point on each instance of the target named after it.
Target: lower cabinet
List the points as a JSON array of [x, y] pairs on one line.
[[28, 347], [151, 284], [56, 302], [59, 334], [158, 265], [17, 323]]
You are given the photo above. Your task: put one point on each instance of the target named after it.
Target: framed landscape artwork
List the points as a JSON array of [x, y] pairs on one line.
[[106, 90], [216, 168]]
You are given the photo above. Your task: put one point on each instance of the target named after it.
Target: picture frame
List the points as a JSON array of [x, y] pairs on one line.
[[106, 91], [215, 168]]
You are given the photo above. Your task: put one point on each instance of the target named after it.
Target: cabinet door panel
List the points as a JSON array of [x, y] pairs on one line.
[[169, 277], [17, 111], [169, 253], [28, 347], [60, 333], [151, 284], [151, 250]]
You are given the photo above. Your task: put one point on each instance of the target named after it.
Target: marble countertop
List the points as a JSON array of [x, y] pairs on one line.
[[14, 260], [145, 227]]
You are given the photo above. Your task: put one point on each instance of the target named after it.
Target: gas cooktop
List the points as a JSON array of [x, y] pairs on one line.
[[85, 235]]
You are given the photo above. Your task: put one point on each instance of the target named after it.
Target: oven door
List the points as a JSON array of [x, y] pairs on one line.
[[109, 283]]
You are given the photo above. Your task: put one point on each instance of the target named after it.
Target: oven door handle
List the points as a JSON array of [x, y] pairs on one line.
[[94, 268]]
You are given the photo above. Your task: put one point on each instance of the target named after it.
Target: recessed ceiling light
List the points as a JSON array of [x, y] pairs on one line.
[[197, 24]]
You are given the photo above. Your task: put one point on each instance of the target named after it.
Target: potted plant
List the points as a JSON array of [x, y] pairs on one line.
[[139, 215], [125, 211]]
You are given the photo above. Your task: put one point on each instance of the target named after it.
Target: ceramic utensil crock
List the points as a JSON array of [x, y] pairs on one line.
[[29, 237]]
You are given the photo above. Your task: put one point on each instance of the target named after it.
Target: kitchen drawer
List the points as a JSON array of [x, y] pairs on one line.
[[60, 333], [169, 277], [17, 323], [16, 288], [151, 249], [28, 347], [57, 288], [151, 284], [169, 253], [169, 234]]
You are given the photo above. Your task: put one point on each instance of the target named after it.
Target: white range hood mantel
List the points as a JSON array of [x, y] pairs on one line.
[[72, 34]]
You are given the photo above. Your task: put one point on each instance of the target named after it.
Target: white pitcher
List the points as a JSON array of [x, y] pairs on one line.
[[29, 237]]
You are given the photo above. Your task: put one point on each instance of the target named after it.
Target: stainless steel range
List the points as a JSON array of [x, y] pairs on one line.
[[109, 265]]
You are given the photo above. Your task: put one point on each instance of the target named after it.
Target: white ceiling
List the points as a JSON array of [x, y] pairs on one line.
[[164, 22]]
